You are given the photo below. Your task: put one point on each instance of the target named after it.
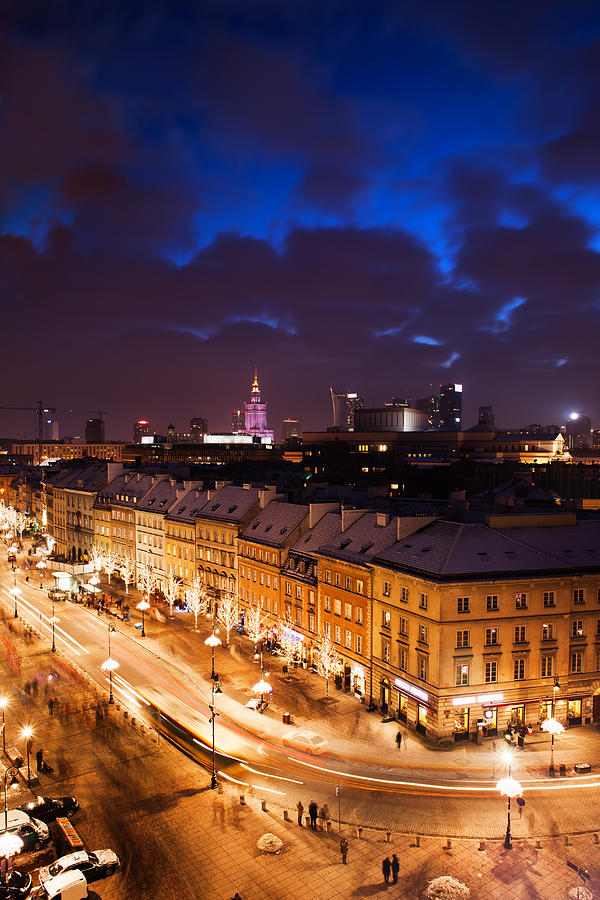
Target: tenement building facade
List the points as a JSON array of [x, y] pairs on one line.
[[476, 626]]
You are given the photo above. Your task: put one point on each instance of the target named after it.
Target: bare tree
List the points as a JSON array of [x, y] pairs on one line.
[[145, 579], [328, 659], [196, 598], [127, 569], [229, 612], [110, 562], [256, 623], [97, 557], [288, 644], [20, 523], [172, 592]]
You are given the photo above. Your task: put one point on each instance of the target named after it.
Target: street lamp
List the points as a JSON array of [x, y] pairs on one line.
[[552, 726], [264, 687], [509, 788], [143, 605], [15, 592], [3, 705], [9, 843], [110, 665], [213, 641], [41, 566], [54, 620], [27, 733]]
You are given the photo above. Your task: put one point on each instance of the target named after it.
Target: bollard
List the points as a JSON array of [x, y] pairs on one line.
[[538, 844], [595, 836], [448, 844], [388, 836], [568, 842], [481, 845], [417, 842], [133, 720], [328, 827], [286, 816], [220, 787], [359, 832], [263, 806], [125, 714], [242, 800]]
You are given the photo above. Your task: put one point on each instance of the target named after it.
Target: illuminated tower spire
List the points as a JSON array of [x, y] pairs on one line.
[[255, 391]]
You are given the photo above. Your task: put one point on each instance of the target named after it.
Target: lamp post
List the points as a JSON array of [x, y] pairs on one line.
[[552, 726], [27, 733], [9, 843], [54, 620], [3, 705], [41, 566], [110, 665], [213, 641], [509, 788], [264, 687], [15, 592], [143, 605]]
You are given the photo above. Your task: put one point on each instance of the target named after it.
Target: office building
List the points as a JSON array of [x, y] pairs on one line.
[[291, 429], [389, 418], [486, 416], [141, 429], [94, 431], [396, 402], [451, 407], [198, 427], [237, 421], [344, 404], [578, 431], [431, 406], [50, 427]]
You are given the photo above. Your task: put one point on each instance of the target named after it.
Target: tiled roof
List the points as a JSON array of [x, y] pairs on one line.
[[90, 478], [363, 540], [321, 534], [230, 503], [452, 550], [188, 507], [275, 523], [160, 497]]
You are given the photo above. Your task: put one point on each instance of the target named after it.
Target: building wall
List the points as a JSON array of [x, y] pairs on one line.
[[180, 551]]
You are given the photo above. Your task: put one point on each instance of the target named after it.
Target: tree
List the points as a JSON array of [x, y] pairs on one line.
[[172, 592], [256, 624], [229, 612], [145, 579], [20, 523], [288, 643], [328, 660], [110, 562], [127, 569], [97, 557], [196, 598]]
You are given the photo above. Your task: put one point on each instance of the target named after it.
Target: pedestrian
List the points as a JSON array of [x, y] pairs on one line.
[[50, 705], [300, 809], [312, 811], [34, 686], [236, 896], [344, 849], [386, 868], [395, 868], [39, 759], [399, 740]]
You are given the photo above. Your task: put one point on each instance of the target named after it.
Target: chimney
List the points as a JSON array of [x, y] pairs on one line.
[[247, 487], [139, 477], [407, 525], [350, 516], [266, 494], [382, 519], [316, 511]]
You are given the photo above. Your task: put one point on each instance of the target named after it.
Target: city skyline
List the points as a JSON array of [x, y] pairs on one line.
[[413, 200]]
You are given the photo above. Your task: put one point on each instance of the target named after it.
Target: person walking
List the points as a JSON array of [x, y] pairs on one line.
[[386, 868], [395, 868], [312, 811], [39, 760], [51, 705], [344, 849], [300, 809], [399, 740]]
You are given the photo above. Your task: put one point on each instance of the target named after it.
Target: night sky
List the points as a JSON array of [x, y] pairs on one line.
[[379, 196]]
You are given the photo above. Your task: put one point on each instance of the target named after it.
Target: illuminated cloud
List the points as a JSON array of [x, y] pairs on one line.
[[423, 339]]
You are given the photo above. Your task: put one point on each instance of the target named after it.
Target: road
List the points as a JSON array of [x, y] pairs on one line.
[[250, 752]]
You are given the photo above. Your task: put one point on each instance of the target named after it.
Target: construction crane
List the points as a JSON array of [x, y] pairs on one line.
[[40, 410]]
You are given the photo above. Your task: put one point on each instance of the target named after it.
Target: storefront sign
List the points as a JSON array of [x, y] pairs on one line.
[[480, 698], [293, 635], [401, 685]]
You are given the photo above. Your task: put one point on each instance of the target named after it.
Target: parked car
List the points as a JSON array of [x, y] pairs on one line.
[[17, 885], [94, 866], [32, 832], [48, 809], [306, 740], [57, 595], [68, 886]]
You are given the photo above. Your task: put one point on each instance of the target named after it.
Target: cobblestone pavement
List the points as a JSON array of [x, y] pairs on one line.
[[178, 839]]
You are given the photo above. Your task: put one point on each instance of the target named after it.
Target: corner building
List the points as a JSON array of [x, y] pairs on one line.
[[477, 626]]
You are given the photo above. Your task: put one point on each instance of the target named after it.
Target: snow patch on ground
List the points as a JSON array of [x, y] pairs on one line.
[[269, 843], [446, 888]]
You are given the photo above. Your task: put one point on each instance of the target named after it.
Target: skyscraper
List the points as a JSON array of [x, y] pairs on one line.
[[141, 428], [291, 429], [255, 413], [430, 405], [237, 421], [486, 415], [344, 403], [198, 427], [578, 431], [450, 407], [94, 431]]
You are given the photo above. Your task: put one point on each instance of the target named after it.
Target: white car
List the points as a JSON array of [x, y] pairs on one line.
[[306, 740], [94, 866]]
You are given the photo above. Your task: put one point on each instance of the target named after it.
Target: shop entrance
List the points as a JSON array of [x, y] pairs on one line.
[[421, 719], [573, 712], [517, 715], [461, 723], [385, 695], [403, 707], [490, 716]]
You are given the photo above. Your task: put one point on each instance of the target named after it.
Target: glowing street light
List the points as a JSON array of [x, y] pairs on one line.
[[213, 641], [94, 580], [509, 788], [27, 733], [10, 844], [553, 727], [41, 565], [143, 605], [264, 687], [110, 665], [15, 592]]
